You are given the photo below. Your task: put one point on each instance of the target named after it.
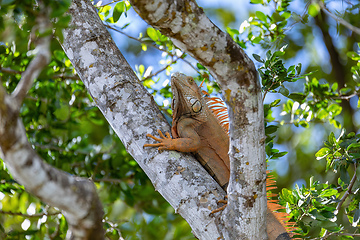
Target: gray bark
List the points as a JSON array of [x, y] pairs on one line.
[[76, 197], [190, 29], [132, 113]]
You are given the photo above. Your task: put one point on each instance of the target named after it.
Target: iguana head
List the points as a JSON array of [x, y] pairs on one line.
[[186, 96]]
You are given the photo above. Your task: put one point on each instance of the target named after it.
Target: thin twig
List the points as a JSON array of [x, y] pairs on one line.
[[151, 45], [110, 180], [95, 5], [62, 75], [347, 97], [32, 71], [162, 69], [36, 65], [342, 200], [338, 234], [272, 84], [348, 191], [340, 20], [39, 215]]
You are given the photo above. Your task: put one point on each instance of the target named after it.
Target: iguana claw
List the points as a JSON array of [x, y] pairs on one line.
[[165, 142], [222, 207]]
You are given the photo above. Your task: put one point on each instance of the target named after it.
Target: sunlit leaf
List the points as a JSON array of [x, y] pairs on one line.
[[323, 152], [314, 9]]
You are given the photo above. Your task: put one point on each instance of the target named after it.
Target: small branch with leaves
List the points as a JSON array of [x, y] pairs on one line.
[[154, 46], [338, 19]]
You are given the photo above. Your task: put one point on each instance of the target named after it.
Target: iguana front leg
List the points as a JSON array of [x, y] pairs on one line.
[[188, 142]]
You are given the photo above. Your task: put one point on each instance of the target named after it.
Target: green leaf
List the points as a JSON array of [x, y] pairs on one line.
[[331, 226], [316, 215], [344, 175], [141, 69], [299, 97], [304, 124], [353, 145], [286, 15], [284, 91], [268, 54], [323, 152], [270, 129], [334, 87], [328, 192], [353, 55], [314, 9], [258, 58], [256, 40], [287, 196], [148, 83], [356, 218], [256, 1], [345, 237], [275, 103], [322, 113], [151, 32], [334, 109], [336, 123], [232, 31], [276, 17], [199, 66], [118, 10], [261, 16], [345, 91], [331, 138], [298, 69], [105, 10], [278, 155], [59, 7]]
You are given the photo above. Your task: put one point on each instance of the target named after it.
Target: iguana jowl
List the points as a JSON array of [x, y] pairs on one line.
[[196, 129]]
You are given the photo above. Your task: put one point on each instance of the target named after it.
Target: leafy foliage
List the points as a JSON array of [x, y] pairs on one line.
[[316, 209], [263, 27], [69, 132]]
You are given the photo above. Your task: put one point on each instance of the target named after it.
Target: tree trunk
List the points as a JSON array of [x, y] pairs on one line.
[[190, 29], [132, 113], [76, 197]]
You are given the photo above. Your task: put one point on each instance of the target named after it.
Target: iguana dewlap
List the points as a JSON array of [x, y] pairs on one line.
[[196, 129]]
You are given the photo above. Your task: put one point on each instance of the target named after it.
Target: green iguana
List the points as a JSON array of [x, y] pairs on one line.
[[197, 130]]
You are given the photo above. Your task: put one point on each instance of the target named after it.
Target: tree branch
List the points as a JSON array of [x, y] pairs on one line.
[[162, 69], [62, 75], [39, 215], [190, 30], [151, 45], [340, 20], [348, 191], [76, 197], [132, 113], [338, 71], [342, 200], [36, 65]]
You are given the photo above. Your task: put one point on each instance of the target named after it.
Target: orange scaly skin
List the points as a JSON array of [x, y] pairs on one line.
[[196, 129]]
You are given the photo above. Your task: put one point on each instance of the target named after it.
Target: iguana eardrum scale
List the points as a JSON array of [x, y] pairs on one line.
[[196, 129]]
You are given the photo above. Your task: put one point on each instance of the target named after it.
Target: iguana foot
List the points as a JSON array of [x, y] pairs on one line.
[[165, 142], [220, 208]]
